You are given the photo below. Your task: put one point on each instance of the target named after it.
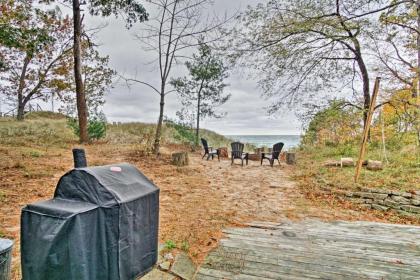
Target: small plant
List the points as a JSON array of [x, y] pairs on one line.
[[169, 244], [185, 246], [96, 128], [35, 154]]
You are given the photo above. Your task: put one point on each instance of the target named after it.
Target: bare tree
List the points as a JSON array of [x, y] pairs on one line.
[[175, 28], [306, 47]]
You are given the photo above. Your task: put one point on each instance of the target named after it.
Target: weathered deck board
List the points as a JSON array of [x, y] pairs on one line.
[[316, 250]]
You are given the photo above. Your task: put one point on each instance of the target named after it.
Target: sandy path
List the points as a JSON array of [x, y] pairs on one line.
[[253, 191]]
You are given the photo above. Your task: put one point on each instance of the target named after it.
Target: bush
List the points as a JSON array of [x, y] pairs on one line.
[[184, 134], [96, 128]]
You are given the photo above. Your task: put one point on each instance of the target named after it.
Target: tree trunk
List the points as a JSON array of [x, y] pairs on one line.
[[80, 92], [21, 100], [366, 88], [20, 111], [197, 130], [158, 134], [416, 93]]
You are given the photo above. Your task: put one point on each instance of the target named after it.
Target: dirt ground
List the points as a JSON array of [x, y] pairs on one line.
[[196, 202]]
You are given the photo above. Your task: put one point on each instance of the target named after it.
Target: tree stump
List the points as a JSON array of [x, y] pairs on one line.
[[290, 158], [180, 159], [223, 152], [374, 165], [347, 162]]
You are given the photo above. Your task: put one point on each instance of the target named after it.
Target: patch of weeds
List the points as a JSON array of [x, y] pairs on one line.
[[169, 244], [2, 196], [35, 154], [2, 235], [185, 246]]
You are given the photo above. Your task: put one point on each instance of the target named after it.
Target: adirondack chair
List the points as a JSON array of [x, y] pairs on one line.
[[238, 152], [209, 151], [271, 157]]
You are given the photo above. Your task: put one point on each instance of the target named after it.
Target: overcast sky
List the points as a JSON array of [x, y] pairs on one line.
[[246, 113]]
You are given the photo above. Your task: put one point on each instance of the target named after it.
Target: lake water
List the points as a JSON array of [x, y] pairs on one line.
[[289, 141]]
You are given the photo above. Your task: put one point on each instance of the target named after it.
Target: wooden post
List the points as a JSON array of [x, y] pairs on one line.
[[366, 129]]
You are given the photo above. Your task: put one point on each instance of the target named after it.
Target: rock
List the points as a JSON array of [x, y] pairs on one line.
[[156, 274], [360, 194], [366, 206], [347, 162], [349, 194], [380, 207], [376, 196], [411, 209], [391, 203], [406, 214], [183, 267], [376, 190], [396, 193], [180, 159], [415, 202], [374, 165], [407, 195], [165, 265], [168, 256], [332, 163], [400, 199], [361, 200]]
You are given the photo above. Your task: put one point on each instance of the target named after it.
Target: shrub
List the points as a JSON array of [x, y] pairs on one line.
[[184, 134], [96, 128]]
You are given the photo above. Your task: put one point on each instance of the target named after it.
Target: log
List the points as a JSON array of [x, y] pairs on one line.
[[374, 165], [347, 162], [290, 158], [180, 159], [332, 163], [223, 152]]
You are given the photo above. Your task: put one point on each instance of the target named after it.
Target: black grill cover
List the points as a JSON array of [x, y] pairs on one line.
[[101, 224]]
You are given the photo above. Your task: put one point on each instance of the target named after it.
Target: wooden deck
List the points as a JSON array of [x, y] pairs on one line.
[[316, 250]]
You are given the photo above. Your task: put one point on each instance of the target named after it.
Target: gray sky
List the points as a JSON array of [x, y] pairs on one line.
[[245, 110]]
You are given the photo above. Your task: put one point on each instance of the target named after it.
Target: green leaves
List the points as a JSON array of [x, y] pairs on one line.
[[202, 90], [132, 10], [96, 127]]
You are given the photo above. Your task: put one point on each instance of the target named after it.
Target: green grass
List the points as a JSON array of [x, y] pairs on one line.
[[401, 172]]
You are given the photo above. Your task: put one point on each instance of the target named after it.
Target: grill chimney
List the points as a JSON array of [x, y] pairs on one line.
[[79, 158]]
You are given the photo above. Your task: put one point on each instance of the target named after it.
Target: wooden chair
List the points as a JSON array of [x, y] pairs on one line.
[[209, 151], [271, 157], [238, 152]]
